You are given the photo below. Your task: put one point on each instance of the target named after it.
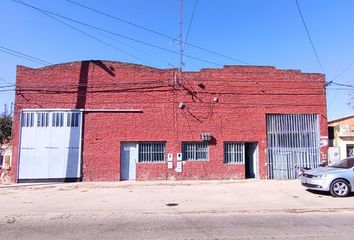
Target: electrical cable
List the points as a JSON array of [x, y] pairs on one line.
[[341, 72], [342, 85], [20, 56], [7, 86], [334, 78], [114, 33], [8, 90], [156, 32], [309, 37], [190, 23], [93, 37], [5, 81], [25, 55]]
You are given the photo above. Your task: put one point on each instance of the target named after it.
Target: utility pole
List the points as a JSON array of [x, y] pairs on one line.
[[5, 109], [12, 109]]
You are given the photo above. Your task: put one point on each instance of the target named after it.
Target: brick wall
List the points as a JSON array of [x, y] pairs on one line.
[[230, 103]]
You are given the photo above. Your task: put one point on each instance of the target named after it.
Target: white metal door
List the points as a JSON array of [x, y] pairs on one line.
[[128, 159], [50, 145], [27, 148]]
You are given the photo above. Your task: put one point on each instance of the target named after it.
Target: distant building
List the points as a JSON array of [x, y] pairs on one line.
[[341, 138], [5, 162], [111, 121]]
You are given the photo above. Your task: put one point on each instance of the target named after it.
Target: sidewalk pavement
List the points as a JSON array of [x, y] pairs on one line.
[[166, 197]]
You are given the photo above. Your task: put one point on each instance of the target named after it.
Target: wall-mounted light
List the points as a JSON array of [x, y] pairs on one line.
[[181, 105]]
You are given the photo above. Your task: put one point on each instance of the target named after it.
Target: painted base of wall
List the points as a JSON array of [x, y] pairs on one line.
[[44, 180]]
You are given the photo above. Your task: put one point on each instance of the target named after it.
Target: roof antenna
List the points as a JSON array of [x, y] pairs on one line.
[[181, 41]]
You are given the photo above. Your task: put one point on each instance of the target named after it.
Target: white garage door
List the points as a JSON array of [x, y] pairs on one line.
[[50, 146]]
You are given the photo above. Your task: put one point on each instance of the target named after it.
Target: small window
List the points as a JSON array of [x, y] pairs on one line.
[[350, 150], [27, 119], [152, 151], [195, 151], [234, 153], [42, 119], [73, 119], [57, 119]]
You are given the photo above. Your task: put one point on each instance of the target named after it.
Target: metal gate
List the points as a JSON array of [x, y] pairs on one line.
[[292, 143]]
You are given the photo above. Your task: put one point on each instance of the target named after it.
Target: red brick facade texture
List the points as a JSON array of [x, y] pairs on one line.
[[231, 103]]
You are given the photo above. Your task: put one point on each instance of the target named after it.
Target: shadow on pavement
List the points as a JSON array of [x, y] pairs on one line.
[[322, 193]]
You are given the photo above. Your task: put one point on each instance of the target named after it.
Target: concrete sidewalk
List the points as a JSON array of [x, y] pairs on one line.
[[167, 197]]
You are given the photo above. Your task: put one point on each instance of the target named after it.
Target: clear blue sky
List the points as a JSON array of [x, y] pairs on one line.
[[255, 31]]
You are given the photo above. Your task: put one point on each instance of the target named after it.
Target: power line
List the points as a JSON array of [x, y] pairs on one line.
[[335, 77], [191, 21], [5, 81], [114, 33], [309, 37], [93, 37], [159, 88], [7, 90], [344, 69], [23, 56], [245, 83], [156, 32], [340, 89], [206, 105], [342, 85], [7, 86]]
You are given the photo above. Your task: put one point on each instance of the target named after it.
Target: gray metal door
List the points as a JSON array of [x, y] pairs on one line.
[[128, 159], [292, 142]]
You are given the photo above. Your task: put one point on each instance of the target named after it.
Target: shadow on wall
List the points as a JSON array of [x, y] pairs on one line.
[[81, 98]]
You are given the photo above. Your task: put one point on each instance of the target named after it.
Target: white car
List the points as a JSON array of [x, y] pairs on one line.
[[338, 178]]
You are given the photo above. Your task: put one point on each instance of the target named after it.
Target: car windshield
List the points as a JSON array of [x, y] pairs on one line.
[[346, 163]]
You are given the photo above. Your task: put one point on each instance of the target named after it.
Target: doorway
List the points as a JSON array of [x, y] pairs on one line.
[[251, 160], [128, 159]]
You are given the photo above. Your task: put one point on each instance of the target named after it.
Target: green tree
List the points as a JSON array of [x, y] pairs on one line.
[[5, 127]]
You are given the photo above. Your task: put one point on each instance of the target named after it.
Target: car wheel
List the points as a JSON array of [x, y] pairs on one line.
[[340, 188]]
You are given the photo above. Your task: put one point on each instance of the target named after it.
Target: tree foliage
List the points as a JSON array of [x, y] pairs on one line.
[[5, 127]]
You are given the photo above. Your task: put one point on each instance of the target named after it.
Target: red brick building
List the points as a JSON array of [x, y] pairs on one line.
[[111, 121]]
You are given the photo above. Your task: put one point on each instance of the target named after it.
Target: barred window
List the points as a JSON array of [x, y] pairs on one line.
[[195, 151], [42, 119], [152, 151], [57, 119], [27, 119], [234, 152], [73, 119]]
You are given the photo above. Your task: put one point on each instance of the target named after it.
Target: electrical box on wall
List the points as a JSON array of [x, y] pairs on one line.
[[179, 156], [170, 161], [179, 167]]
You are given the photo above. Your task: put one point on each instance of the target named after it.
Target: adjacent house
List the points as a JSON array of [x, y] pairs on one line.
[[5, 162], [111, 121], [341, 138]]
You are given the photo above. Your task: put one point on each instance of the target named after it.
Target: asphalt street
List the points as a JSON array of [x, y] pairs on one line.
[[183, 226], [257, 209]]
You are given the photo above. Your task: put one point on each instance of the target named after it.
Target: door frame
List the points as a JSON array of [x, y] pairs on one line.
[[255, 158]]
